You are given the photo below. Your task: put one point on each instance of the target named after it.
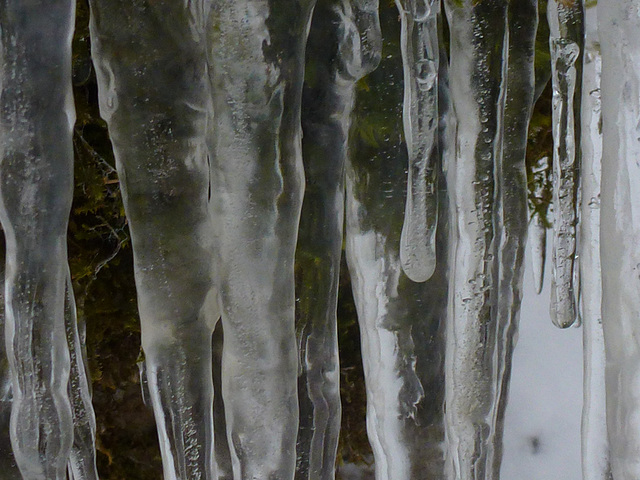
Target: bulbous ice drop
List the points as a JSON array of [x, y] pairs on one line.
[[566, 44], [619, 35], [151, 66], [340, 45], [256, 72], [595, 446], [36, 187], [492, 48], [419, 43]]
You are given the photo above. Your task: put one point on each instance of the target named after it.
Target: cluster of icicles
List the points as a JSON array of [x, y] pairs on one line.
[[205, 104]]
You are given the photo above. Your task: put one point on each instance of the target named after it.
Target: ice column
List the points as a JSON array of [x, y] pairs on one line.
[[419, 43], [256, 61], [36, 187], [492, 98], [595, 447], [401, 321], [150, 59], [345, 43], [566, 43], [619, 32]]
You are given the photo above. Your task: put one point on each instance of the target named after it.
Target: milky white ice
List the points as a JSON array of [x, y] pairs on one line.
[[619, 32], [420, 51], [352, 30], [492, 98], [566, 44]]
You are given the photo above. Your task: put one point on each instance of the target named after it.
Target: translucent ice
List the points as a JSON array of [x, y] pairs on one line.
[[419, 42], [619, 32], [566, 43], [492, 47], [344, 44], [595, 447], [36, 187]]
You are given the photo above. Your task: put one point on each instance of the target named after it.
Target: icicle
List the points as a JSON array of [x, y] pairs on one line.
[[595, 447], [566, 43], [82, 461], [401, 321], [419, 41], [8, 465], [36, 188], [150, 59], [345, 43], [619, 34], [538, 228], [257, 70], [492, 98]]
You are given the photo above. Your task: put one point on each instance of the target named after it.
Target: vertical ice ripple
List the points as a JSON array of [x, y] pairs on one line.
[[419, 43], [619, 34], [566, 44], [492, 60], [344, 44]]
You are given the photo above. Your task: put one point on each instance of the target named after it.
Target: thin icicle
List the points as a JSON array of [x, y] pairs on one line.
[[538, 228], [344, 44], [419, 43], [595, 447], [492, 98], [256, 67], [401, 322], [619, 34], [566, 44]]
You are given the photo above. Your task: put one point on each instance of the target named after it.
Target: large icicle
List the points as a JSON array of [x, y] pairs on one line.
[[150, 59], [492, 98], [566, 44], [401, 322], [419, 42], [345, 43], [36, 188], [256, 55], [595, 447], [619, 32]]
